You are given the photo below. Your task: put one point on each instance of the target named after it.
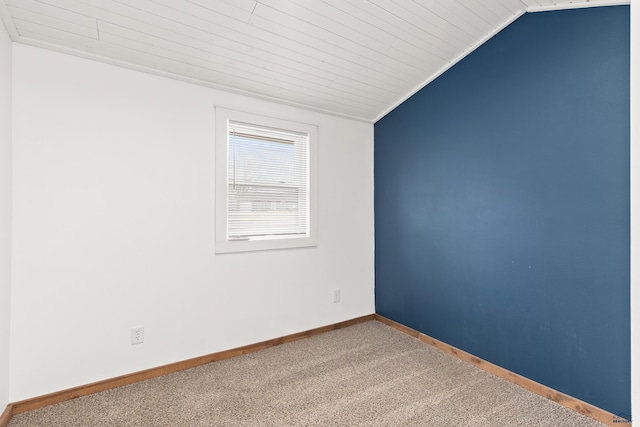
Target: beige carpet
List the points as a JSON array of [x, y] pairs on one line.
[[364, 375]]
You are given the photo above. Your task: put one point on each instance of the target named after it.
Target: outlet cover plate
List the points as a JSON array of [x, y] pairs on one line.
[[137, 335]]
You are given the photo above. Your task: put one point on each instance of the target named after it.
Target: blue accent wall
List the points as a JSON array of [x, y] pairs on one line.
[[502, 204]]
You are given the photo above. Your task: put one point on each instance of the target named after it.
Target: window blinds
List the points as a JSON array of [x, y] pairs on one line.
[[268, 181]]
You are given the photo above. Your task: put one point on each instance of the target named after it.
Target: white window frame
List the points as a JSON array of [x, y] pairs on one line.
[[222, 244]]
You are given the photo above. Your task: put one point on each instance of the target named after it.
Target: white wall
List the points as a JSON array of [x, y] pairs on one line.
[[5, 212], [635, 211], [114, 219]]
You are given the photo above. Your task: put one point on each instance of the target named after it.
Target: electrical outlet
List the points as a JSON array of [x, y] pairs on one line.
[[336, 295], [137, 335]]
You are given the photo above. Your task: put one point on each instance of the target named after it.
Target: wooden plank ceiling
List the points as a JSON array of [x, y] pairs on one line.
[[353, 58]]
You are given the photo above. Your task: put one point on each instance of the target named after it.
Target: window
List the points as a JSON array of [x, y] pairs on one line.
[[265, 182]]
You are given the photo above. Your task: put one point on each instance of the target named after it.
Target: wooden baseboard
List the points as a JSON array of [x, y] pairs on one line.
[[577, 405], [73, 393], [5, 417], [542, 390]]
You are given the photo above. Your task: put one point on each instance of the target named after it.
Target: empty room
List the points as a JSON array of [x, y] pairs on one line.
[[326, 212]]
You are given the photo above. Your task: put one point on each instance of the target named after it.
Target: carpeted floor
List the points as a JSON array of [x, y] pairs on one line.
[[364, 375]]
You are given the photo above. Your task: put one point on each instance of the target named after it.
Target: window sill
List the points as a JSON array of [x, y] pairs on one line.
[[264, 244]]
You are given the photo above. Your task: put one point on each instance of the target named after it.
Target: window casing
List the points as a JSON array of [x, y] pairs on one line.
[[265, 182]]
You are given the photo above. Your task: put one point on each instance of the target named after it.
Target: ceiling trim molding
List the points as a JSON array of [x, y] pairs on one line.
[[5, 17], [363, 115], [577, 5], [450, 64], [161, 73], [539, 8]]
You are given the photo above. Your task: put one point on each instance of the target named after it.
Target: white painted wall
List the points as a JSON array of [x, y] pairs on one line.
[[635, 211], [114, 220], [5, 212]]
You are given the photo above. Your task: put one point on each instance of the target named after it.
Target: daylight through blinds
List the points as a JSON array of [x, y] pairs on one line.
[[268, 183]]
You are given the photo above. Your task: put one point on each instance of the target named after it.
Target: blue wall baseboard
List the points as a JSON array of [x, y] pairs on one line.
[[502, 204]]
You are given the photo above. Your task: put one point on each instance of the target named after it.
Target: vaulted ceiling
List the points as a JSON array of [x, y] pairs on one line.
[[353, 58]]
